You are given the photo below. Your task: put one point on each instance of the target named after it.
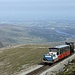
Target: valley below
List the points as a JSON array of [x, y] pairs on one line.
[[36, 32]]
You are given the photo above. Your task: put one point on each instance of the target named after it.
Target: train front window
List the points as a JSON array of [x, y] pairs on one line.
[[52, 50]]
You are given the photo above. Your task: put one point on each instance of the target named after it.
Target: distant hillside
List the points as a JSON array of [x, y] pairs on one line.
[[1, 45], [40, 32]]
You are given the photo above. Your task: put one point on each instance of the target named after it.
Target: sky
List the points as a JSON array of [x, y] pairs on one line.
[[36, 9]]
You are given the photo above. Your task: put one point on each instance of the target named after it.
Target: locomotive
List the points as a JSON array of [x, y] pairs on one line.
[[58, 52]]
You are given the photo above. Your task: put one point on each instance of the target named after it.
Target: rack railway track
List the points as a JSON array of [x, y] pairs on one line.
[[39, 70], [42, 69], [45, 67]]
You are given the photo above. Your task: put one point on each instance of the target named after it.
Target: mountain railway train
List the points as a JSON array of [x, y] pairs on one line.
[[58, 52]]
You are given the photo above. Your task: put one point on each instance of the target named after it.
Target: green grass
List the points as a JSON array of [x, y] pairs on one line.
[[14, 60]]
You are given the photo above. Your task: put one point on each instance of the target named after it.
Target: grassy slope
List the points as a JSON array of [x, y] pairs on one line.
[[16, 59]]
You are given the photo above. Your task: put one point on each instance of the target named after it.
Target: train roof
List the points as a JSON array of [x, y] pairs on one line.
[[61, 46]]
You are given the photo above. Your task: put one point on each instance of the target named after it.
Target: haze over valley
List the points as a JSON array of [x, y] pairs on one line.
[[36, 32]]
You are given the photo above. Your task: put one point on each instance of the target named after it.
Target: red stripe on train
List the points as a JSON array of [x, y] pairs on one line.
[[61, 56]]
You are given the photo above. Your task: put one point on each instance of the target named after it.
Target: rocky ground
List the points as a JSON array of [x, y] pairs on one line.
[[69, 69]]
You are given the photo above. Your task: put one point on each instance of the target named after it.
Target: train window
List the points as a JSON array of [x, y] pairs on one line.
[[61, 51], [64, 49], [67, 49], [58, 53], [52, 50]]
